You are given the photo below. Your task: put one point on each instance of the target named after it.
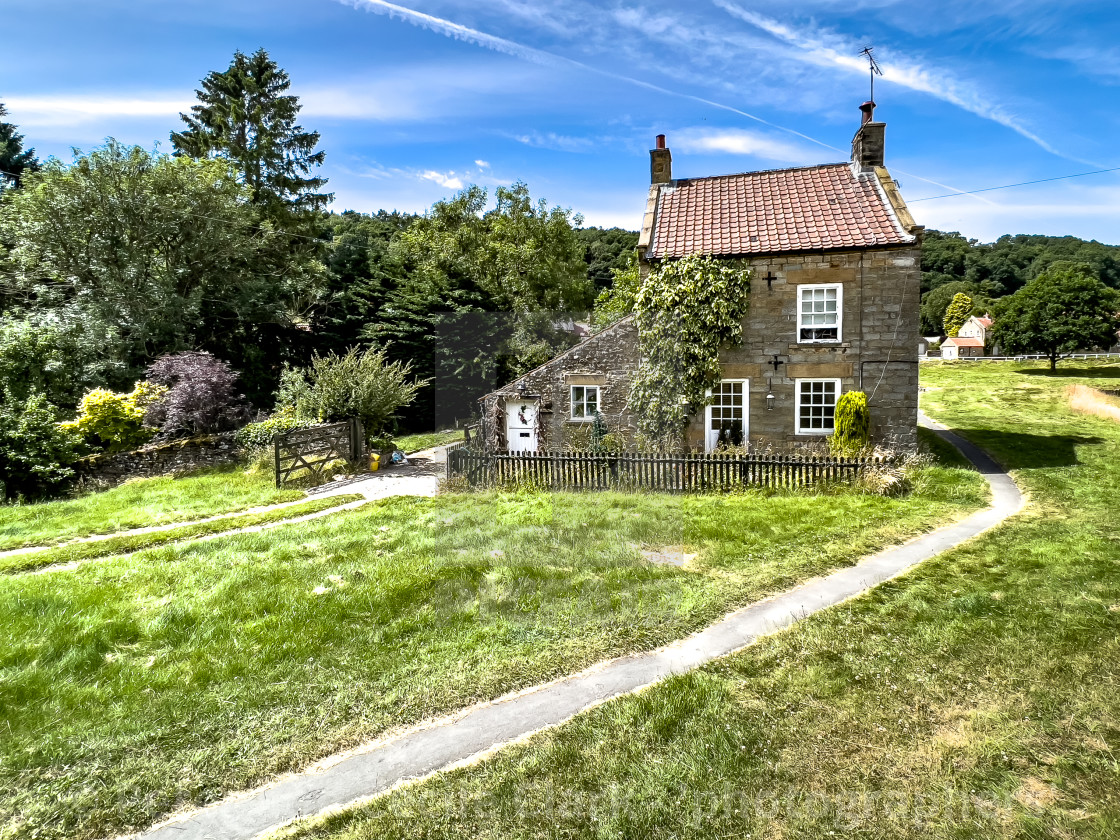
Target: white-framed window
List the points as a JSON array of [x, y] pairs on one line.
[[585, 401], [727, 414], [820, 312], [816, 405]]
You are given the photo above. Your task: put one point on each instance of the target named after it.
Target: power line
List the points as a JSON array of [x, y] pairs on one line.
[[1009, 186]]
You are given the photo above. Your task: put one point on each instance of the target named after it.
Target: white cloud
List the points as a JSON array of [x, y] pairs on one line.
[[448, 180], [481, 164], [557, 142], [742, 142], [36, 111]]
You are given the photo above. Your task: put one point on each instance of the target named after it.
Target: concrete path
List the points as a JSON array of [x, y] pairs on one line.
[[375, 768]]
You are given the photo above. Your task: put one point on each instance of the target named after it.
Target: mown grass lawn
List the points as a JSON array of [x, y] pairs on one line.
[[138, 503], [132, 686], [976, 697], [124, 544]]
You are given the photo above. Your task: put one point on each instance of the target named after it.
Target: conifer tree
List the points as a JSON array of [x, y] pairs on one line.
[[246, 116], [14, 159]]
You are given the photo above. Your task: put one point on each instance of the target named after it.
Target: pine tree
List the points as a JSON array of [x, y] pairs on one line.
[[245, 115], [14, 159]]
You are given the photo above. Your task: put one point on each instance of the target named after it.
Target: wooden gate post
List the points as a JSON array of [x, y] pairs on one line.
[[276, 457]]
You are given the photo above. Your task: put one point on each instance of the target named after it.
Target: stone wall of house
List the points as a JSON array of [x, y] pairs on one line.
[[607, 360], [160, 459], [877, 352]]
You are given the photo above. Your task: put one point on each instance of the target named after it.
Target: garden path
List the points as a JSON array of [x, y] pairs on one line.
[[462, 738]]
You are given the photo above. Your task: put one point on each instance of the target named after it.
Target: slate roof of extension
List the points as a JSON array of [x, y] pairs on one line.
[[781, 210]]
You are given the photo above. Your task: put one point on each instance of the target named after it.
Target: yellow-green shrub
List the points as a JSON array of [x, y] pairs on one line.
[[115, 421], [852, 426]]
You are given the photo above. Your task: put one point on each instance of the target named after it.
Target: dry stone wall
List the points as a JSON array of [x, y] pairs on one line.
[[160, 459]]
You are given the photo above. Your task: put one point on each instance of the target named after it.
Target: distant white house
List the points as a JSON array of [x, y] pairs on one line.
[[976, 328], [970, 340]]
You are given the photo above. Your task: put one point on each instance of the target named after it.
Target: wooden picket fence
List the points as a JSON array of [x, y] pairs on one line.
[[310, 451], [662, 472]]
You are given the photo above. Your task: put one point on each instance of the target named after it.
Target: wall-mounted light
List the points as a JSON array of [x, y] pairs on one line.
[[521, 388], [770, 400]]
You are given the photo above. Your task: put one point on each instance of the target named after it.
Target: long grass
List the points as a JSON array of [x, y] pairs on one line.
[[138, 503], [976, 697], [1086, 400], [137, 685], [76, 552]]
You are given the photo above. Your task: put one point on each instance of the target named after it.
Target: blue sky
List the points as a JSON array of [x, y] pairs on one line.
[[416, 100]]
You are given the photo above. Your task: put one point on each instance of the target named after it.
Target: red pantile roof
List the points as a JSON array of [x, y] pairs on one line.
[[985, 322], [959, 341], [808, 209]]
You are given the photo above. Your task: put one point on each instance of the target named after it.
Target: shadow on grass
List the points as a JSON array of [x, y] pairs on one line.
[[1018, 450], [1084, 373]]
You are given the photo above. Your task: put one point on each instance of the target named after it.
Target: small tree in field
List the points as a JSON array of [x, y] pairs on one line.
[[1064, 309], [960, 308]]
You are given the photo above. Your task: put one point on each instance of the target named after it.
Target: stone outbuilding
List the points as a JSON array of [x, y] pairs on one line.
[[835, 261]]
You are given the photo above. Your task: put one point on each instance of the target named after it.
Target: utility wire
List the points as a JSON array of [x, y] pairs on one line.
[[1009, 186]]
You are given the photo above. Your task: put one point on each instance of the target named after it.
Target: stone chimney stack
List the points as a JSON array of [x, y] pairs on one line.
[[868, 144], [660, 162]]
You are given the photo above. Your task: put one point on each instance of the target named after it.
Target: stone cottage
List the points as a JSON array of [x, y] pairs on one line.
[[835, 259]]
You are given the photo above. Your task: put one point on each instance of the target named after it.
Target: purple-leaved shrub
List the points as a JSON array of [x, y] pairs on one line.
[[201, 396]]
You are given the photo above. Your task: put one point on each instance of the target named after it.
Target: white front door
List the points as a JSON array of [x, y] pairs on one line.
[[727, 410], [521, 426]]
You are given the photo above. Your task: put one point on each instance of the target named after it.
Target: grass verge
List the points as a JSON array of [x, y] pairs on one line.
[[426, 440], [140, 684], [138, 503], [137, 542], [976, 697]]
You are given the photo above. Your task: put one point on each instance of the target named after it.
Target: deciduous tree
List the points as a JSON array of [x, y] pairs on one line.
[[483, 293], [958, 311], [164, 253], [1064, 309]]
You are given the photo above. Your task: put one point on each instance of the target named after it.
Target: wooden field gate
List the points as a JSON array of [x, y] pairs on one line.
[[663, 472], [313, 449]]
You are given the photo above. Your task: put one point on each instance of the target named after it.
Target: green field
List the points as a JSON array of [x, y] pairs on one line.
[[134, 686], [976, 697], [139, 503], [80, 551]]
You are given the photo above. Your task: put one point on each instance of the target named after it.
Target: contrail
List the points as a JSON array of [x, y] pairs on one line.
[[904, 73], [548, 59]]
